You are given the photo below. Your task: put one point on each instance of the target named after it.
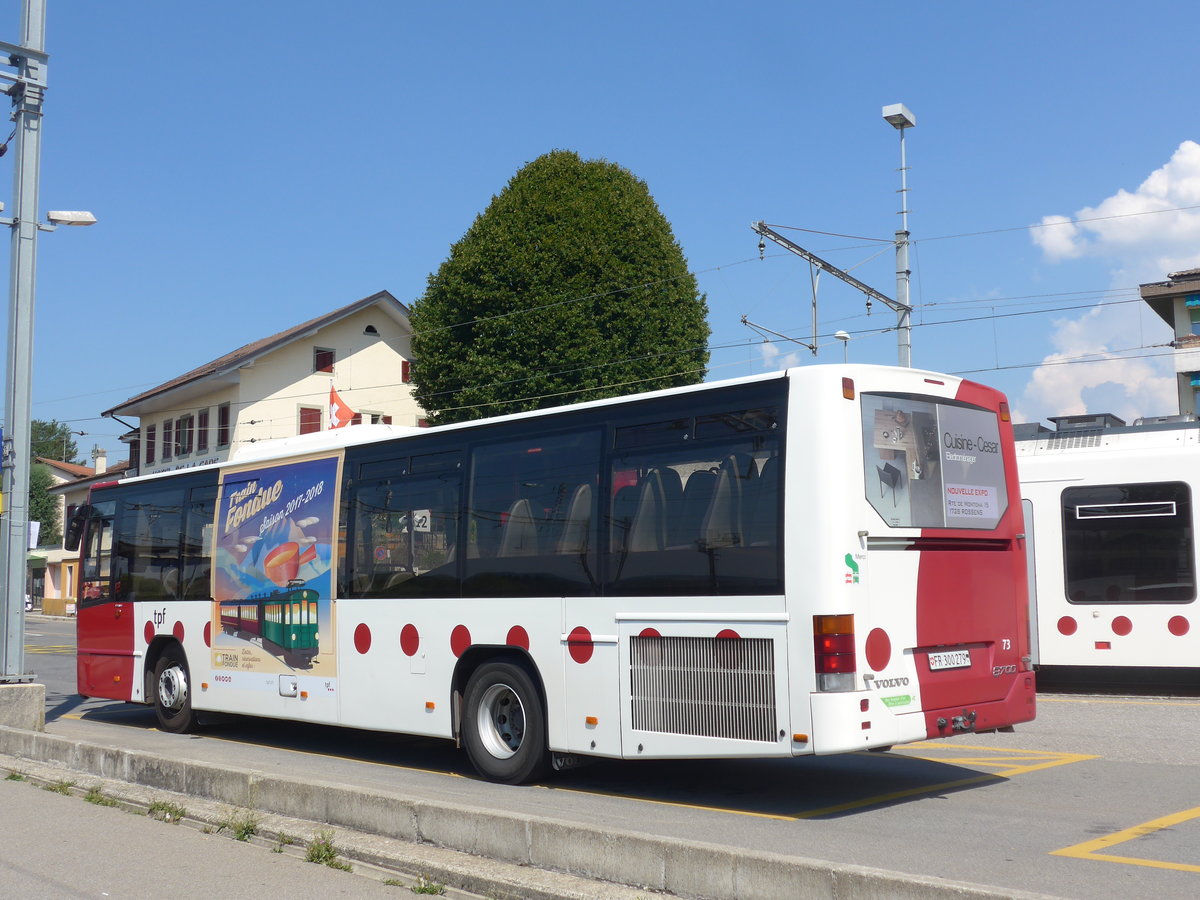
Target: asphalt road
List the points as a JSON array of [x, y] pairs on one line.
[[1098, 798]]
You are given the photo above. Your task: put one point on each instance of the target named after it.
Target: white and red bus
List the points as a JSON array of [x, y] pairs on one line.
[[1111, 522], [815, 561]]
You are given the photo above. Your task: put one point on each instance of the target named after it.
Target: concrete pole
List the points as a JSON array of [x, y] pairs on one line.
[[27, 94]]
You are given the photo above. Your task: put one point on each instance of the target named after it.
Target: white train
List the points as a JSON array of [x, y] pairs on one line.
[[1110, 526]]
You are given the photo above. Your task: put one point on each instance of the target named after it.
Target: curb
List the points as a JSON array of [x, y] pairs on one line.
[[412, 833]]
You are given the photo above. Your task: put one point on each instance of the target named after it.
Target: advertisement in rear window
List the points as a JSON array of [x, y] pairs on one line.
[[932, 464]]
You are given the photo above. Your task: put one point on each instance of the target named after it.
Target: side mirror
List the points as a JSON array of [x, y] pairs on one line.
[[75, 528]]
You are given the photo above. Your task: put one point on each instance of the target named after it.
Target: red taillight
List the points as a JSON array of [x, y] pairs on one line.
[[834, 657], [848, 388]]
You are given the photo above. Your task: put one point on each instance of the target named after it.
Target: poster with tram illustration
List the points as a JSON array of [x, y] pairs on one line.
[[273, 568]]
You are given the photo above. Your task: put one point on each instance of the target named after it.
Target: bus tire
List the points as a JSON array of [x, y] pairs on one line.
[[173, 691], [504, 726]]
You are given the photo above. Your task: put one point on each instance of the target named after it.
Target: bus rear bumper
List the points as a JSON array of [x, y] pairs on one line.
[[1020, 705], [845, 721]]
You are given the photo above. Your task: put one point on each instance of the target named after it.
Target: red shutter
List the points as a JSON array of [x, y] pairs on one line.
[[404, 371]]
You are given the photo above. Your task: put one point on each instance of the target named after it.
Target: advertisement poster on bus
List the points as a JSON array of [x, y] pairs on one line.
[[272, 573], [933, 464]]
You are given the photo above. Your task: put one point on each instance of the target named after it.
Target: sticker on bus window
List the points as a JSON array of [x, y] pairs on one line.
[[272, 573]]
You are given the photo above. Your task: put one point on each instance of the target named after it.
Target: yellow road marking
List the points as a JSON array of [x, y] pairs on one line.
[[1006, 761], [1090, 849]]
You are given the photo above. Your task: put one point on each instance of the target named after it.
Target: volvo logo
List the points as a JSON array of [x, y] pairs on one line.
[[881, 683]]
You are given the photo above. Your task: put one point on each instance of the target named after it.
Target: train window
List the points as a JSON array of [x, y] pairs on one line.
[[1129, 543]]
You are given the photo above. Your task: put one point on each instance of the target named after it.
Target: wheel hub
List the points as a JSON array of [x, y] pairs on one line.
[[172, 688]]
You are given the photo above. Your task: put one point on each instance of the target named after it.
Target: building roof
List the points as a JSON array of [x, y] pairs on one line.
[[67, 469], [1160, 295], [115, 472], [224, 368]]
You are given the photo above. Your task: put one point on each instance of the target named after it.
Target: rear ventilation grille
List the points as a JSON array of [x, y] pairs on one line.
[[709, 687]]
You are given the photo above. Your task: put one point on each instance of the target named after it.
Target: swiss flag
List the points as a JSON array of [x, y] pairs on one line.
[[339, 413]]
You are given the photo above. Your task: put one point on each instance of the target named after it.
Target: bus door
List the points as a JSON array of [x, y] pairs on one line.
[[104, 623]]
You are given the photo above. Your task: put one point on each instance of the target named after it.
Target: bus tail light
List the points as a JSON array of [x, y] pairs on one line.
[[848, 388], [1005, 415], [834, 657]]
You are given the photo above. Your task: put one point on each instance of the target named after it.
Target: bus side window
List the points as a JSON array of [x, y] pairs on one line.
[[404, 534], [197, 543], [531, 523]]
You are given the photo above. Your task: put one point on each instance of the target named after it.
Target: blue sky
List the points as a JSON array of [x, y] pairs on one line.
[[256, 164]]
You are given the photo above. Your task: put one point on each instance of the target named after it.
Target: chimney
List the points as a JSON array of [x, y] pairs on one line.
[[99, 459]]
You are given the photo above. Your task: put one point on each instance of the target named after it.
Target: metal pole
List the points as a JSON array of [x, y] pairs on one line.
[[904, 309], [27, 94]]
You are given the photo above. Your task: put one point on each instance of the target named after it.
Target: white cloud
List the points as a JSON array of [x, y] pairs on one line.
[[1141, 236], [1149, 231], [774, 359]]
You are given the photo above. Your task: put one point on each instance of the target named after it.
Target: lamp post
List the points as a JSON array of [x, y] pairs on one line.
[[844, 337], [27, 92], [900, 117]]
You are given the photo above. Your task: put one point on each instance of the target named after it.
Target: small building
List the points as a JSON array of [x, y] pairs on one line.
[[1177, 302], [277, 387]]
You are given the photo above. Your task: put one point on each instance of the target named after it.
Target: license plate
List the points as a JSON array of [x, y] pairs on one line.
[[950, 659]]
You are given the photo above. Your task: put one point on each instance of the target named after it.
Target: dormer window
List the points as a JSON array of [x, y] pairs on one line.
[[322, 359]]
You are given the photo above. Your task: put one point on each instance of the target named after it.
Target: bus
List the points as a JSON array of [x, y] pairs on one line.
[[1110, 519], [815, 561]]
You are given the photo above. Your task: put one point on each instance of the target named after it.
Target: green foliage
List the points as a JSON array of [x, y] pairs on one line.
[[52, 440], [97, 796], [58, 787], [166, 811], [43, 506], [425, 886], [321, 850], [242, 824], [570, 286]]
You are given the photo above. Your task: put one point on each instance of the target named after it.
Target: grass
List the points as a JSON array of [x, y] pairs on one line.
[[97, 796], [59, 787], [425, 886], [242, 824], [282, 840], [14, 776], [321, 850], [166, 811]]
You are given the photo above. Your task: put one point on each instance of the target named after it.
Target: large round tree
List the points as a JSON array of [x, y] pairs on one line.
[[570, 286]]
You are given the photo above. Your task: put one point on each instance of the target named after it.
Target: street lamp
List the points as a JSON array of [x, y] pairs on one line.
[[900, 117], [844, 337], [27, 91]]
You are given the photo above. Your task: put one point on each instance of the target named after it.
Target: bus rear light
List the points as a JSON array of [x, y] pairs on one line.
[[834, 657], [1005, 416], [799, 738], [431, 705], [591, 721], [866, 726], [848, 388], [1103, 645]]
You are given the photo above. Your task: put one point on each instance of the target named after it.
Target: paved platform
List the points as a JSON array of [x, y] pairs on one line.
[[481, 851]]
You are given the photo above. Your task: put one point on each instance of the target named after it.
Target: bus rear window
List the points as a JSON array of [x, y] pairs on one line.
[[932, 463]]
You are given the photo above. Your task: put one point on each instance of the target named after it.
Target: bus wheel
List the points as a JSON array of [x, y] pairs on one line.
[[504, 728], [172, 692]]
